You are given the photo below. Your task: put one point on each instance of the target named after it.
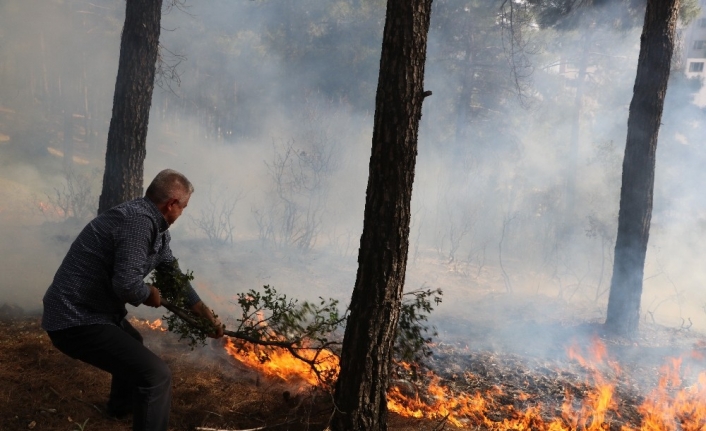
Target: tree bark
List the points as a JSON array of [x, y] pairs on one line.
[[125, 155], [360, 393], [656, 48]]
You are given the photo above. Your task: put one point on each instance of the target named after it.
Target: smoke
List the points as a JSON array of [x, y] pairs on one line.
[[509, 214]]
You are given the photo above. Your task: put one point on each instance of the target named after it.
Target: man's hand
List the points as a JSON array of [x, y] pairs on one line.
[[154, 300], [200, 309]]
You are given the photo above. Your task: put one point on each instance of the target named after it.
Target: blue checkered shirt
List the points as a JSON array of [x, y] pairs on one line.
[[106, 266]]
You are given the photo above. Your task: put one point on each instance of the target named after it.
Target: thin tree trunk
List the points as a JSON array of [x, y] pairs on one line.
[[360, 394], [656, 48], [68, 141], [125, 155], [574, 144]]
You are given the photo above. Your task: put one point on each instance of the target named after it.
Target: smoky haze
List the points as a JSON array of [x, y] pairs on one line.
[[267, 107]]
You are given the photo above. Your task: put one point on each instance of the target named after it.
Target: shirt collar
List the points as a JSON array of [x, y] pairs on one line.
[[161, 221]]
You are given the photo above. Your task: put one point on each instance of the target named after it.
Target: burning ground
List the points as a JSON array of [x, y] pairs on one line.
[[598, 383]]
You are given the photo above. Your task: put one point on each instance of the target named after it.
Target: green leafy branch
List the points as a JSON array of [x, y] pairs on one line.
[[173, 286], [309, 331], [268, 319], [414, 336], [272, 320]]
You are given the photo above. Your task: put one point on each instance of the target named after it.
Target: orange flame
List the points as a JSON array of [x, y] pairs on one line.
[[280, 364], [457, 409], [156, 325], [668, 408]]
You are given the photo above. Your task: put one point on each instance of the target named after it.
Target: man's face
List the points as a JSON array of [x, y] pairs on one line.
[[174, 208]]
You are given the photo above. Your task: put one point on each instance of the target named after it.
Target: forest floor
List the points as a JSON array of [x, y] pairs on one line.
[[42, 389]]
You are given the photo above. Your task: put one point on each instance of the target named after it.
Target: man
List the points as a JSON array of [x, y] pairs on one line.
[[84, 308]]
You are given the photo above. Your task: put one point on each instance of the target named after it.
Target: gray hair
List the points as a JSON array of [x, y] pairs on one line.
[[168, 184]]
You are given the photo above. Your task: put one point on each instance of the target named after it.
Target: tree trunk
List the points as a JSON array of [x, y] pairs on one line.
[[125, 155], [360, 394], [657, 45], [575, 136]]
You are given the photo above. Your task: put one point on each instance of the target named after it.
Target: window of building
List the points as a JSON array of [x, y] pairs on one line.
[[699, 44], [696, 67], [701, 22]]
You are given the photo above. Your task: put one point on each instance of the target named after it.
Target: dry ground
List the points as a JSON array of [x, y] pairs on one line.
[[42, 389]]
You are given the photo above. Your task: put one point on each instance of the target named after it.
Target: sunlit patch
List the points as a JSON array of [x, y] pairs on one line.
[[76, 159], [50, 210], [80, 160], [55, 152]]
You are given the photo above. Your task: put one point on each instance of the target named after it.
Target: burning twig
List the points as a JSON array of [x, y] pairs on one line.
[[442, 422]]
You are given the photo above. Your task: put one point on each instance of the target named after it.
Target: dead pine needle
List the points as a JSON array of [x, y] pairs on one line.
[[56, 392], [219, 429], [442, 423], [88, 404]]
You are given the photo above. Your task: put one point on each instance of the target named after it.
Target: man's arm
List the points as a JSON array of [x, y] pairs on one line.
[[155, 299], [132, 241], [200, 309], [168, 262]]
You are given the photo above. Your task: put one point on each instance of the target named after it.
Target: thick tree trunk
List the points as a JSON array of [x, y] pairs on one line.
[[375, 305], [657, 45], [125, 155]]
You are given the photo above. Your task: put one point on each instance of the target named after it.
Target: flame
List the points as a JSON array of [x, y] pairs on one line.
[[156, 325], [280, 364], [668, 408], [599, 401], [464, 410], [457, 409]]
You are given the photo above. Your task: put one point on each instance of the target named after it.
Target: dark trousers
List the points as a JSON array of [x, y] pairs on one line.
[[141, 381]]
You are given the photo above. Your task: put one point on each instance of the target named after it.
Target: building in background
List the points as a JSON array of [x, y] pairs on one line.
[[694, 51]]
